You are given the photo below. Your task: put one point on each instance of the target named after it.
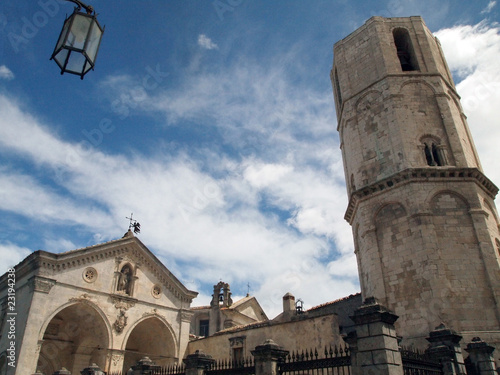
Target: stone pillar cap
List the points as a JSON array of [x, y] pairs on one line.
[[479, 345], [372, 311], [443, 334]]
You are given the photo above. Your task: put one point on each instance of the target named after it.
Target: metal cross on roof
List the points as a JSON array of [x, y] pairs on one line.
[[134, 224]]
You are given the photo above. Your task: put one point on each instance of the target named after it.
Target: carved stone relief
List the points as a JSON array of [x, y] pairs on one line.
[[120, 322]]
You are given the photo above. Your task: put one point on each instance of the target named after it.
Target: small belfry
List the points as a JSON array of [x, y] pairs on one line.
[[421, 209]]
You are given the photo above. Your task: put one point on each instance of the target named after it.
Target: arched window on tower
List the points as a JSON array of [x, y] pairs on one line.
[[404, 47], [433, 152]]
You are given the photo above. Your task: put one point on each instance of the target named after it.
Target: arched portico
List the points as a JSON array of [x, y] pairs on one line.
[[74, 337], [153, 337]]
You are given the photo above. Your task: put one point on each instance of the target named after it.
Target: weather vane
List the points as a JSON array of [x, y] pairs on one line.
[[134, 224]]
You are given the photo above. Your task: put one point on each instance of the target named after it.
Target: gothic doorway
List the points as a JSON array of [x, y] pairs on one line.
[[75, 337], [151, 337]]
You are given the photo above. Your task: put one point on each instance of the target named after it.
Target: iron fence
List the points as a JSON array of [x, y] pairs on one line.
[[334, 361], [245, 366], [416, 362]]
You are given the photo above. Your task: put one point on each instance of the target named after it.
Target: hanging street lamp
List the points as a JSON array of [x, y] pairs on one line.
[[78, 44]]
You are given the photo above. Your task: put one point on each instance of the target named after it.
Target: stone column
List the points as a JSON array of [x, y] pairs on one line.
[[185, 317], [198, 363], [374, 346], [445, 347], [480, 356], [115, 360], [267, 356]]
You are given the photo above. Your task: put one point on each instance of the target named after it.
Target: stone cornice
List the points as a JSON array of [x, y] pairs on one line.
[[41, 284], [44, 262], [429, 174]]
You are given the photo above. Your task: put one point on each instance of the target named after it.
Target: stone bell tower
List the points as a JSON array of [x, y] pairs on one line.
[[425, 226]]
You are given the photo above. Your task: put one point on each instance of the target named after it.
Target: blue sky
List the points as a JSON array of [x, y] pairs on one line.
[[212, 122]]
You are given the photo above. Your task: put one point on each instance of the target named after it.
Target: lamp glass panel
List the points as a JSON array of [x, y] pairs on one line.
[[76, 63], [79, 31], [60, 58], [63, 34], [94, 40]]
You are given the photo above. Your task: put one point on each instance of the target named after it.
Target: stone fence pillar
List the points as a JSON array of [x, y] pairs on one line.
[[445, 347], [63, 371], [198, 363], [92, 370], [481, 357], [374, 346], [267, 356], [144, 366]]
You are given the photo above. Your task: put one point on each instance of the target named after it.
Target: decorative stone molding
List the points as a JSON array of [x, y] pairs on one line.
[[89, 274], [115, 360], [120, 322], [237, 342], [122, 302], [83, 298], [429, 174], [156, 291], [41, 284], [185, 315]]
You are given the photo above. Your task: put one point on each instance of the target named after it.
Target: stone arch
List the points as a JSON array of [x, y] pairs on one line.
[[422, 116], [367, 97], [150, 336], [419, 81], [76, 335], [49, 365], [73, 302], [462, 202], [404, 49], [386, 206]]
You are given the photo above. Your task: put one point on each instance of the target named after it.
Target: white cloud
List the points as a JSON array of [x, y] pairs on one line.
[[473, 54], [205, 42], [6, 73], [489, 7], [265, 175], [185, 212], [11, 255]]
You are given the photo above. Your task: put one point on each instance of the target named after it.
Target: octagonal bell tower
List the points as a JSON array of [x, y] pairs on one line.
[[425, 226]]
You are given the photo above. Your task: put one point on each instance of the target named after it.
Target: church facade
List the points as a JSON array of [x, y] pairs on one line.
[[109, 304]]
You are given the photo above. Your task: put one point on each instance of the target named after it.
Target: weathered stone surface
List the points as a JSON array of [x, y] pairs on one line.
[[422, 212]]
